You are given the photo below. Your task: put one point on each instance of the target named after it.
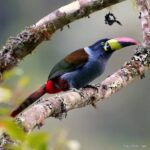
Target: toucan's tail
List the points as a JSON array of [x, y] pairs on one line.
[[28, 101]]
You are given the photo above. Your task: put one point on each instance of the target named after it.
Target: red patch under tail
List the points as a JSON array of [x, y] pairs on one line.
[[51, 88], [29, 100]]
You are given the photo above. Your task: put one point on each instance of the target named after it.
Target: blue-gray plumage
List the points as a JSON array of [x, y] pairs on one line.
[[84, 65], [93, 68], [78, 69]]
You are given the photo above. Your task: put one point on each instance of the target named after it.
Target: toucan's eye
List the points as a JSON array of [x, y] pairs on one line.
[[102, 43], [107, 47]]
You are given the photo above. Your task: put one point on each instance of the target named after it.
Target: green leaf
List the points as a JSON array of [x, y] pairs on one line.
[[14, 147], [38, 141], [13, 129]]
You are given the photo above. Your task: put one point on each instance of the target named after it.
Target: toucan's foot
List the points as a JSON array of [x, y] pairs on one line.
[[82, 95], [78, 91], [91, 86]]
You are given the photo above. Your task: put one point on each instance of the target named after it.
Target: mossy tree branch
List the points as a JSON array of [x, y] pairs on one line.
[[52, 106], [16, 48], [136, 67], [133, 69]]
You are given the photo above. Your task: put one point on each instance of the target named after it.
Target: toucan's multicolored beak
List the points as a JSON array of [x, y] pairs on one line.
[[118, 43]]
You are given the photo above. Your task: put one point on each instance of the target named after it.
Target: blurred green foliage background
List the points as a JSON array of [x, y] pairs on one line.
[[119, 123]]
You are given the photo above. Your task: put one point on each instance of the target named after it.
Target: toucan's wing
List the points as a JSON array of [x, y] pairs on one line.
[[71, 62]]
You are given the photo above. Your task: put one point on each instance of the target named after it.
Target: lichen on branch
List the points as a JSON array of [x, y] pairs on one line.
[[131, 70]]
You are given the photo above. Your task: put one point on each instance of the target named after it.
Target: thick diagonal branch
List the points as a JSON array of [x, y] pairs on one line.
[[26, 41], [52, 106]]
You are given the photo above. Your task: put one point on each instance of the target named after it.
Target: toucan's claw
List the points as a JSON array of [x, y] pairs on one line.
[[78, 91], [91, 86]]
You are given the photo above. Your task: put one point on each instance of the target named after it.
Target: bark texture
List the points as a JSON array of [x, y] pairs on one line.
[[59, 105]]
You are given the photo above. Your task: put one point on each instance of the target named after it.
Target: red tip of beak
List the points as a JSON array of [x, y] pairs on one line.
[[127, 40]]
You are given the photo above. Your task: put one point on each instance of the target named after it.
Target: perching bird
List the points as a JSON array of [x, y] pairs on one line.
[[78, 69]]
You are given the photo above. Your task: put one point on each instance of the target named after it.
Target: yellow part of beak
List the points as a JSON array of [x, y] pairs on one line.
[[114, 44]]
